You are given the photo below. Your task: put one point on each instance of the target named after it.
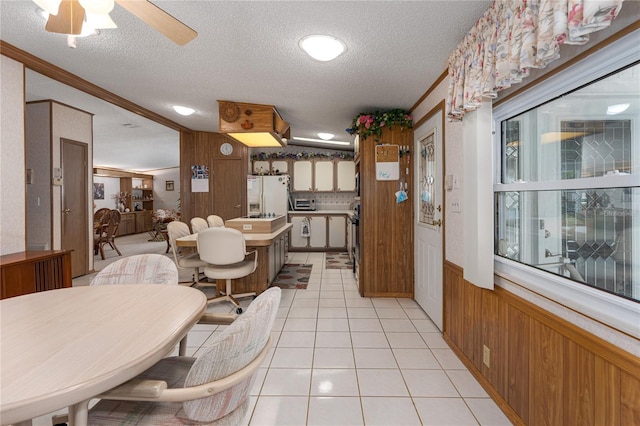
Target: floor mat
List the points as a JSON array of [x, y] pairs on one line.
[[293, 276], [338, 261]]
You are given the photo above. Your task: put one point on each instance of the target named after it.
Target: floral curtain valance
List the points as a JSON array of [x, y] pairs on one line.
[[514, 36]]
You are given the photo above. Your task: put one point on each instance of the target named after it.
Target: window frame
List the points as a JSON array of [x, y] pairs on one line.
[[617, 312]]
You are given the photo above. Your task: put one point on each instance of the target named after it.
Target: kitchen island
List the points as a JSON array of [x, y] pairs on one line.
[[272, 250]]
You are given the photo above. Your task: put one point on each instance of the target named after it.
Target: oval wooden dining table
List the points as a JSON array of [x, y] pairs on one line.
[[60, 348]]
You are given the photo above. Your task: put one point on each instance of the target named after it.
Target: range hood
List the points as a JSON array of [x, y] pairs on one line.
[[253, 125]]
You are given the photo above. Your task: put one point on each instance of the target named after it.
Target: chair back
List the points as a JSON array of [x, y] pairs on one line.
[[198, 224], [114, 222], [139, 269], [97, 216], [233, 349], [177, 229], [221, 246], [214, 221]]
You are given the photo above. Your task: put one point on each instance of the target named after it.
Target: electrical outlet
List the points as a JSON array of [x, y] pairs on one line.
[[455, 206], [486, 356], [247, 227]]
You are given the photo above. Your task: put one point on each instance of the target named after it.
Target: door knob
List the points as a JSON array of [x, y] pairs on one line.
[[66, 211], [238, 206], [437, 222]]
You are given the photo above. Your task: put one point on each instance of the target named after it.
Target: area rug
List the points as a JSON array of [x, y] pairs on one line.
[[338, 261], [293, 276]]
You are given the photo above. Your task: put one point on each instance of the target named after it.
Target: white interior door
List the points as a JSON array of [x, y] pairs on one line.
[[428, 218]]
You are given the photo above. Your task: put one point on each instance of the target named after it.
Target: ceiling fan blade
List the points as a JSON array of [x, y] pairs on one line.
[[160, 20], [68, 20]]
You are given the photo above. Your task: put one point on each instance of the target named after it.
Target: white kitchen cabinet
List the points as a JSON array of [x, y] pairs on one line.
[[277, 253], [323, 174], [281, 166], [318, 228], [261, 167], [302, 175], [345, 176], [337, 231], [297, 241]]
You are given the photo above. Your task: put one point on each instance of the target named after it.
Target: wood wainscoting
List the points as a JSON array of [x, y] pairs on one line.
[[542, 369]]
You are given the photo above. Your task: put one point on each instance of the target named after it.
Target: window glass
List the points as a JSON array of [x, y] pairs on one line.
[[570, 197]]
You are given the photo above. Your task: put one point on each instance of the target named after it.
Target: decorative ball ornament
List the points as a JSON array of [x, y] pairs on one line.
[[229, 112]]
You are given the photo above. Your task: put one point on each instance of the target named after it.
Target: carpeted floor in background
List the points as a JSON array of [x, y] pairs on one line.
[[293, 276], [338, 261]]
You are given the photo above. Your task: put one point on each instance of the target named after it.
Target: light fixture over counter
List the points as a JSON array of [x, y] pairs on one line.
[[253, 125]]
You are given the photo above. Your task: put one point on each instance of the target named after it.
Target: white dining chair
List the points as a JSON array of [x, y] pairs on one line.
[[214, 221], [215, 385], [184, 257], [225, 251], [198, 224]]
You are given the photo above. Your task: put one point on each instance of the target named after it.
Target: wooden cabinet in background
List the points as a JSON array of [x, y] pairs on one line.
[[127, 224], [32, 271], [144, 221], [318, 228]]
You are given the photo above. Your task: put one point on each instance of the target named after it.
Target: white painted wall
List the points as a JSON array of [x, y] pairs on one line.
[[12, 158], [111, 187], [163, 199]]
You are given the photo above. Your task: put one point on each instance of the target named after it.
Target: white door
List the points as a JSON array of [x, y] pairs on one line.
[[428, 218]]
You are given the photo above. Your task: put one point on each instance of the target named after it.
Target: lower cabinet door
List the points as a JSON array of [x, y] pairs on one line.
[[318, 228], [337, 231], [297, 240]]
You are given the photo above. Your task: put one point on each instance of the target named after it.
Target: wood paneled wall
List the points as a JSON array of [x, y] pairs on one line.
[[227, 176], [386, 227], [543, 370]]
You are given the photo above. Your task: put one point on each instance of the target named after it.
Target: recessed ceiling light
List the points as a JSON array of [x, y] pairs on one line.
[[322, 47], [617, 109], [322, 141], [183, 110], [325, 136]]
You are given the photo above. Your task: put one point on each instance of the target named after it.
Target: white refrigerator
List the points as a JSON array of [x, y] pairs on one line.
[[267, 195]]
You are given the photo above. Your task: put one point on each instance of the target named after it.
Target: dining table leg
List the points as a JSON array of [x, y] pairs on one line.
[[79, 414]]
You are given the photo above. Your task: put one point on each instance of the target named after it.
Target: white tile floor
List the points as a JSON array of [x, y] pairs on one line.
[[340, 359]]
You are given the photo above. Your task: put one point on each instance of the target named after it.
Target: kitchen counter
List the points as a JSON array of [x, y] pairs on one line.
[[321, 212]]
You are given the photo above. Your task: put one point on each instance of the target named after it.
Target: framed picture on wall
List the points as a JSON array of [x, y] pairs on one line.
[[169, 185], [98, 191]]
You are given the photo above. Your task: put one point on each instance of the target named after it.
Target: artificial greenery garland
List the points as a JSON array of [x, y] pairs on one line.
[[371, 124]]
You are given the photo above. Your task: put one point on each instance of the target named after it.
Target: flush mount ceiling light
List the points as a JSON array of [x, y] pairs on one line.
[[325, 136], [322, 47], [183, 110], [617, 109], [322, 141]]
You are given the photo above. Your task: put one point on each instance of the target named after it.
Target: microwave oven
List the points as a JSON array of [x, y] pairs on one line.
[[304, 204]]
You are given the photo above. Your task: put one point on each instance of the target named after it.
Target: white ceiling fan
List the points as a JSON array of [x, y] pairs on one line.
[[68, 16]]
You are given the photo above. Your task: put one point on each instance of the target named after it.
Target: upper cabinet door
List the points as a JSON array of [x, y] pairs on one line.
[[302, 174], [346, 176], [261, 167], [324, 175], [280, 167]]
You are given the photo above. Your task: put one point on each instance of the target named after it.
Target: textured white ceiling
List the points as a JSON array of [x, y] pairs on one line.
[[246, 51]]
